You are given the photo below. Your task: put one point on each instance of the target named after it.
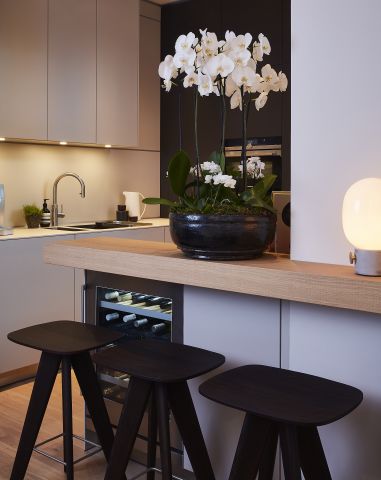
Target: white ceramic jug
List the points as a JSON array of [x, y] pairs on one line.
[[133, 204]]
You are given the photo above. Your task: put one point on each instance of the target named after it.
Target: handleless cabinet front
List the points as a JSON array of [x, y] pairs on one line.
[[72, 60], [23, 71], [117, 72]]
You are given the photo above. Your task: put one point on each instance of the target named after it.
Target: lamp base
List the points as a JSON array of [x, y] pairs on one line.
[[367, 262]]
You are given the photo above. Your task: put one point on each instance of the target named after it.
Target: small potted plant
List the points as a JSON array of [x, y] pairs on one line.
[[218, 214], [32, 215]]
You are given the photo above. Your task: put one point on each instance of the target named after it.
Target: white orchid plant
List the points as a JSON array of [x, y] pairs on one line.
[[226, 68]]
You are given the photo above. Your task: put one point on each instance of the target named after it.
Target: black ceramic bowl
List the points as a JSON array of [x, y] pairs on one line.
[[222, 237]]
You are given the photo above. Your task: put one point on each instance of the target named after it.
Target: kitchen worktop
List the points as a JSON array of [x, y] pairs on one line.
[[268, 276], [24, 232]]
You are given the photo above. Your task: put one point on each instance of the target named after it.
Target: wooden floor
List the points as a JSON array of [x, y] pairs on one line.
[[13, 406]]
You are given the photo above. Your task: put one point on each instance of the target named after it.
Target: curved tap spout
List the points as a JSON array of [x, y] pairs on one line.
[[54, 212]]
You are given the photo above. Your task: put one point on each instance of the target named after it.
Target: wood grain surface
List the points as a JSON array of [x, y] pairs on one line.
[[268, 276]]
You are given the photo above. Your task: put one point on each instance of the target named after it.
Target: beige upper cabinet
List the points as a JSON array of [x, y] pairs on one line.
[[117, 72], [23, 69], [72, 68], [149, 83]]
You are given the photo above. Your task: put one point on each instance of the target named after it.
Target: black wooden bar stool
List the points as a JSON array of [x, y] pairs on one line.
[[159, 370], [67, 343], [285, 404]]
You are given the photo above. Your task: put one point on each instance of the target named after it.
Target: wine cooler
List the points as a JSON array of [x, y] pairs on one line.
[[139, 309]]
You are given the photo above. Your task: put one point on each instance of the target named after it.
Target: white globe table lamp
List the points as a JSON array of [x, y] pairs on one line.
[[362, 225]]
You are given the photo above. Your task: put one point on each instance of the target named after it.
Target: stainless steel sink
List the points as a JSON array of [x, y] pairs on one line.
[[105, 225]]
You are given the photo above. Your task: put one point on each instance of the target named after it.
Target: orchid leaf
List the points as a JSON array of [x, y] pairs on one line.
[[159, 201], [178, 171], [262, 187]]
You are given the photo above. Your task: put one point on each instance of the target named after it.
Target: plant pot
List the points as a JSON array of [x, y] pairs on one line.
[[222, 237], [33, 221]]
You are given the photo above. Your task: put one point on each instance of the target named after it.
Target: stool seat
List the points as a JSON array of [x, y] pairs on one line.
[[282, 395], [156, 361], [64, 337]]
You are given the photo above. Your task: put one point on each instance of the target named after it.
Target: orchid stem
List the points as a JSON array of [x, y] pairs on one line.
[[244, 141], [223, 106], [196, 143]]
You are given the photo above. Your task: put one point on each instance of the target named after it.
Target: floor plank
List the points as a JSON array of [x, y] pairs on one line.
[[13, 406]]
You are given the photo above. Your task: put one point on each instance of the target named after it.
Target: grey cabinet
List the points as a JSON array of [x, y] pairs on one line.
[[117, 72], [31, 292], [72, 61], [23, 71]]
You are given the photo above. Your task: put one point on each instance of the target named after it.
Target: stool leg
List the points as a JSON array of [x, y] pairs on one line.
[[43, 385], [130, 419], [290, 452], [67, 416], [164, 437], [88, 382], [181, 404], [254, 436], [152, 437], [312, 458], [266, 468]]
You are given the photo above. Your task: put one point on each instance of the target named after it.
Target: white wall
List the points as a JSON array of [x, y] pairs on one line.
[[336, 108], [336, 105]]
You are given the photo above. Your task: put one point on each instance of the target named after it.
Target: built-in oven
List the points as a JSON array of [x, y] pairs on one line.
[[139, 309], [268, 149]]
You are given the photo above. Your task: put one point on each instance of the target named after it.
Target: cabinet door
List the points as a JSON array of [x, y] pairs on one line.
[[31, 292], [23, 71], [72, 71], [149, 84], [117, 72]]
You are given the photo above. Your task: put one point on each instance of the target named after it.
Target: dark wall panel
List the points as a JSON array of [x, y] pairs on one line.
[[270, 18]]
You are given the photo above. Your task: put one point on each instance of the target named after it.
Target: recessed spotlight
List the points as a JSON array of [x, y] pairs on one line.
[[63, 143], [107, 146], [2, 139]]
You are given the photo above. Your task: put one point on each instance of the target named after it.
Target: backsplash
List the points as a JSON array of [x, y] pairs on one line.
[[28, 173]]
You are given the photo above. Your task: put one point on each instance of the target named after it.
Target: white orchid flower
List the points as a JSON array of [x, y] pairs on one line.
[[220, 64], [191, 78], [240, 57], [255, 85], [185, 42], [184, 59], [260, 101], [208, 178], [167, 84], [241, 42], [211, 167], [230, 86], [167, 68], [270, 79], [244, 76], [254, 167], [225, 180], [205, 85], [209, 44], [265, 44], [257, 52], [282, 82], [236, 100], [229, 36]]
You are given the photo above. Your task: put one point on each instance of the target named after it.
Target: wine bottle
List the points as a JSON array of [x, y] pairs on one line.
[[129, 318], [111, 295], [158, 328], [111, 316], [124, 296], [140, 323]]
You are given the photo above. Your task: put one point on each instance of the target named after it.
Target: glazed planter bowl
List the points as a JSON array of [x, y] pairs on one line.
[[222, 237], [33, 221]]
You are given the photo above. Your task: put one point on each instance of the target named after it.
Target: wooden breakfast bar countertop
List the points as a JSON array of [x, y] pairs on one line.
[[268, 276]]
